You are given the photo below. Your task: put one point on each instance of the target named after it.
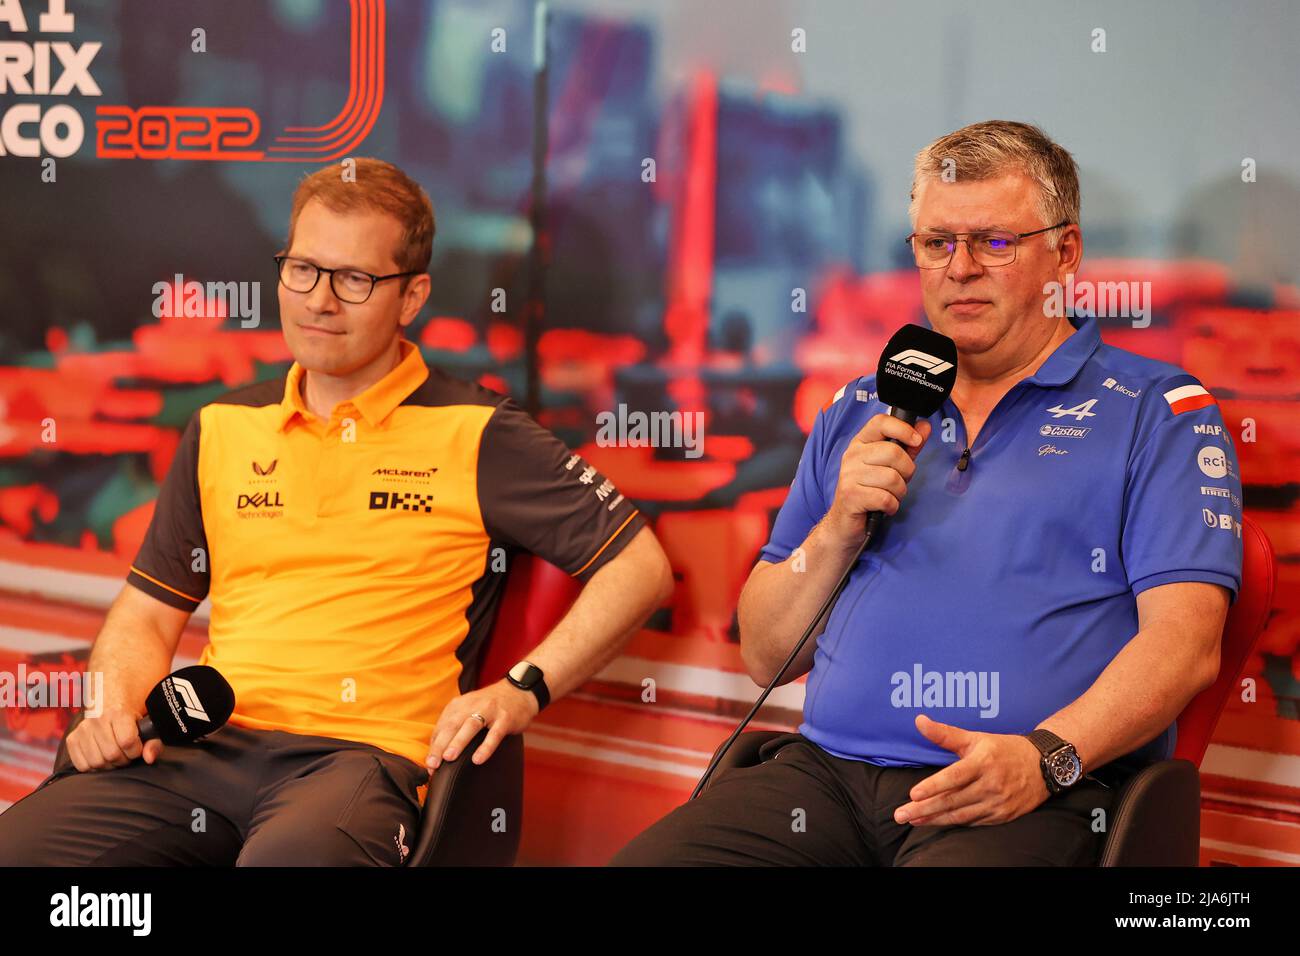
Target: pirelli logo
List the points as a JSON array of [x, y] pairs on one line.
[[401, 501]]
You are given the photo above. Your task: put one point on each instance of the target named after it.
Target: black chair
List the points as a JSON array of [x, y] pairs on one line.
[[473, 814]]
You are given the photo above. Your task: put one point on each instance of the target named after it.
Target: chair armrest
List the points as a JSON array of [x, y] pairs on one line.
[[460, 808], [743, 753], [1156, 818]]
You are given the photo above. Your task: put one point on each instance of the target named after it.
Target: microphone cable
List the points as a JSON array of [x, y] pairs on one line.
[[873, 522]]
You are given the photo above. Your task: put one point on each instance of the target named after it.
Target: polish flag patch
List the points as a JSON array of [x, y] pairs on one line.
[[1188, 398]]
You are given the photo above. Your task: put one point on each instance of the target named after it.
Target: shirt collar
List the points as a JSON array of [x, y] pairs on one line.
[[1071, 355], [377, 402]]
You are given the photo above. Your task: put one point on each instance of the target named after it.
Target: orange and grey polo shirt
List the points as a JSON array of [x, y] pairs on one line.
[[354, 564]]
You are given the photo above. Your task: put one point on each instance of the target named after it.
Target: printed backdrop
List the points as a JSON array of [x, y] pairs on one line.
[[727, 194]]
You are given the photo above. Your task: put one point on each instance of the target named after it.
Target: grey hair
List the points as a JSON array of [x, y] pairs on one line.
[[996, 147]]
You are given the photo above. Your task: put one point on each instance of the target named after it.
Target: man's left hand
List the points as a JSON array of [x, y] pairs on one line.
[[504, 709], [996, 778]]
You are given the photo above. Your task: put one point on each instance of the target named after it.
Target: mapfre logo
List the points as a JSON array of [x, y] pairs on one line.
[[935, 366], [54, 66]]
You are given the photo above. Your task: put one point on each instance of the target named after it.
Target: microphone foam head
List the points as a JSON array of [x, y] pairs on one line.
[[189, 704], [917, 370]]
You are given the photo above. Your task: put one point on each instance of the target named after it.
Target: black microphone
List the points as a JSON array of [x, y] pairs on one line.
[[187, 705], [916, 373]]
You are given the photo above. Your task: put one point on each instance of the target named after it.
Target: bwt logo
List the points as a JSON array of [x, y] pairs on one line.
[[232, 133], [1224, 522], [935, 366]]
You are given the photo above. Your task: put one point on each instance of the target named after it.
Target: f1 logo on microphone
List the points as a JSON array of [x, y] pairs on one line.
[[935, 366], [189, 698]]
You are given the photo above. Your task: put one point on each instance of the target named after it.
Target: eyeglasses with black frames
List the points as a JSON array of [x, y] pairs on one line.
[[350, 285]]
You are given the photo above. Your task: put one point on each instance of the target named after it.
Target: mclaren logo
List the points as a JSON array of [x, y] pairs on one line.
[[405, 472], [265, 469], [935, 366]]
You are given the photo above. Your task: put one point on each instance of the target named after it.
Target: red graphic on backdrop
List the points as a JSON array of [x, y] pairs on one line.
[[232, 133]]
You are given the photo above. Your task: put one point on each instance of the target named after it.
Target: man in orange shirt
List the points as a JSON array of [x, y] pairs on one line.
[[350, 522]]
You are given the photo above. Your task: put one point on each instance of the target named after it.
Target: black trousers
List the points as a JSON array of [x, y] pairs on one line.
[[239, 797], [801, 806]]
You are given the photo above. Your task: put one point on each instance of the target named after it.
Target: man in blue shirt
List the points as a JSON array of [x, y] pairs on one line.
[[1045, 597]]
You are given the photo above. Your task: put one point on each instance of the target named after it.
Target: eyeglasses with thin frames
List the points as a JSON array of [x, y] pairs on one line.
[[934, 250]]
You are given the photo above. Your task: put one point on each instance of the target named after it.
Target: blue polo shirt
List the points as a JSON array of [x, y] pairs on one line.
[[1002, 589]]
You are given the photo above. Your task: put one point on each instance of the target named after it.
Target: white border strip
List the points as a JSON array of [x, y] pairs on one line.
[[39, 642], [1245, 764], [73, 587], [1292, 859], [704, 681], [556, 745]]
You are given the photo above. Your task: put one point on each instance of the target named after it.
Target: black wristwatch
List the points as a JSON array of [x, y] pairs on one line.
[[1060, 763], [528, 677]]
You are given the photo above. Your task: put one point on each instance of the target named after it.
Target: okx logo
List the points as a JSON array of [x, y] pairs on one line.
[[401, 501]]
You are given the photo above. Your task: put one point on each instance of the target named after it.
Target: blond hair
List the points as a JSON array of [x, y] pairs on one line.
[[996, 147], [379, 186]]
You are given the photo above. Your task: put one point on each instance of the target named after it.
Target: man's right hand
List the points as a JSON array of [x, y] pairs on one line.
[[874, 474], [110, 740]]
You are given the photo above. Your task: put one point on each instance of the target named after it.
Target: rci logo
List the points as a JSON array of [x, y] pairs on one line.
[[1212, 461]]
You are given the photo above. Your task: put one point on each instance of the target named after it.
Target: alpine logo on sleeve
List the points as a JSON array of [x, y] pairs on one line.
[[1188, 398]]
